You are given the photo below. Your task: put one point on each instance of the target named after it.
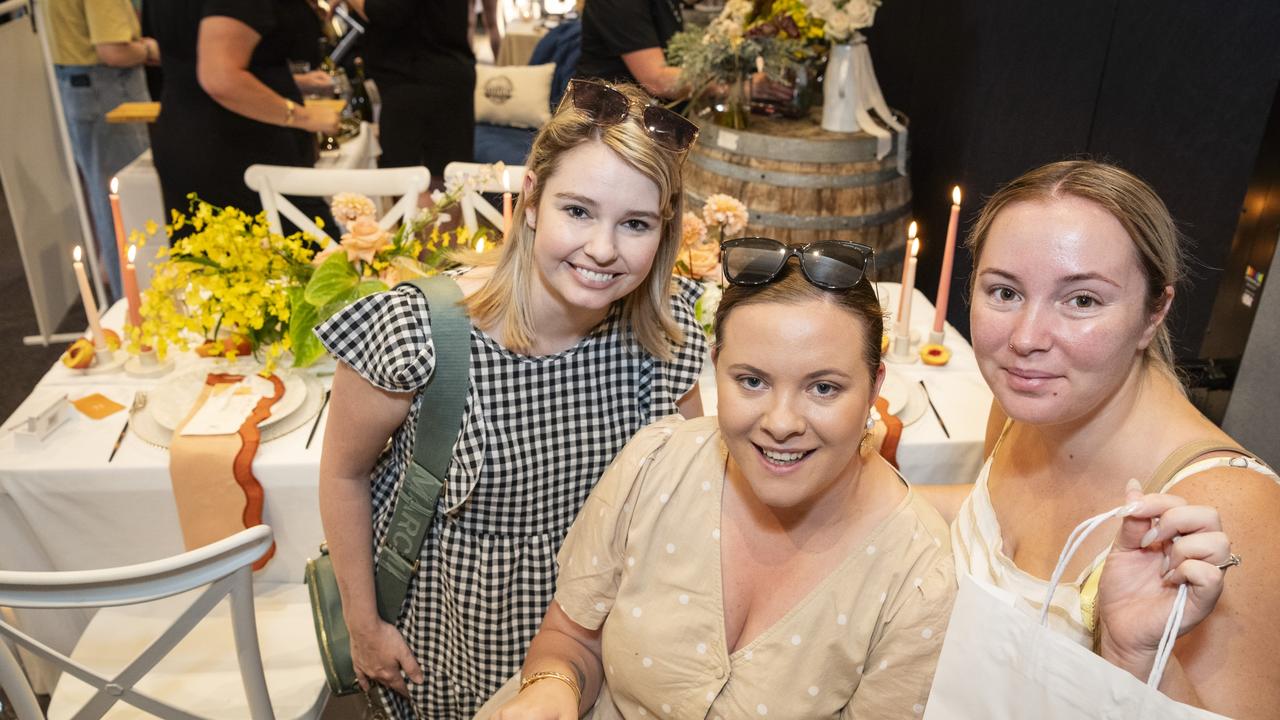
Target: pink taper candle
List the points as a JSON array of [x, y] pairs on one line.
[[130, 277], [903, 326], [948, 259], [906, 266], [86, 296], [114, 197]]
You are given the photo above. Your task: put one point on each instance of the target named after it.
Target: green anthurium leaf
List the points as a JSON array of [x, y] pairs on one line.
[[335, 276], [303, 319], [369, 287], [328, 309]]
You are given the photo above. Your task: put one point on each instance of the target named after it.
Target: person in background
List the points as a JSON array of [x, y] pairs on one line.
[[1075, 265], [489, 14], [419, 54], [98, 53], [230, 100], [764, 562], [579, 338], [626, 40]]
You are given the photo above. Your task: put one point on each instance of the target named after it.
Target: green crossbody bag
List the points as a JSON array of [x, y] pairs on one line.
[[439, 422]]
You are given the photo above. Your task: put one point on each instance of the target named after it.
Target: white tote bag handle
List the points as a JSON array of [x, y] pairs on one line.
[[1165, 649]]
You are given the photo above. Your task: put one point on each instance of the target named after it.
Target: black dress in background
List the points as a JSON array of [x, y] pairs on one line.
[[200, 146], [418, 53]]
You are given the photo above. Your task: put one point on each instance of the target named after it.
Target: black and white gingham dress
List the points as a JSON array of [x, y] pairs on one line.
[[536, 435]]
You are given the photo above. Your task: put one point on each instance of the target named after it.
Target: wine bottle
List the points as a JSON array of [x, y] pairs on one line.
[[360, 103]]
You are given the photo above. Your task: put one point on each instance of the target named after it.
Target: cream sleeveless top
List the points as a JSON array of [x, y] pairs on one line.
[[978, 546]]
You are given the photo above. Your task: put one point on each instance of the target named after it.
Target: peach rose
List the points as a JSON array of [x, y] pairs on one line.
[[365, 239], [700, 254]]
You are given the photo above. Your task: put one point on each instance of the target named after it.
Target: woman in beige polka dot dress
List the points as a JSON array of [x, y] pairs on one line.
[[766, 563]]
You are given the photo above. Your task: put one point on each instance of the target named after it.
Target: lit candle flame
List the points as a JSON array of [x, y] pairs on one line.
[[911, 230], [915, 246], [480, 244], [506, 181], [133, 253], [75, 254], [955, 195], [115, 186]]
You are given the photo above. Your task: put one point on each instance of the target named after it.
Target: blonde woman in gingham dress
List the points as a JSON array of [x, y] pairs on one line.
[[579, 339]]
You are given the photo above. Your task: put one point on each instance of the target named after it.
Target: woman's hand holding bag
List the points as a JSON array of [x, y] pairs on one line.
[[1162, 543], [381, 655]]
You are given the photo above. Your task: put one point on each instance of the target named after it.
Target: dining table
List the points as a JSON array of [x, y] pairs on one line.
[[519, 38], [76, 501]]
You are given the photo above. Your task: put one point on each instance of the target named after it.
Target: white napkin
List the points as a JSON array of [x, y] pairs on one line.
[[228, 406]]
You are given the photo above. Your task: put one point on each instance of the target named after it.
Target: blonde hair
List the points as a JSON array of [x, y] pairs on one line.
[[1132, 202], [505, 300]]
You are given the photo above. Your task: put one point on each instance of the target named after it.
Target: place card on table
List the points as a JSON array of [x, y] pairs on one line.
[[227, 406]]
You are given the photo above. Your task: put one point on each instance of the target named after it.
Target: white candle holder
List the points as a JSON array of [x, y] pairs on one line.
[[147, 364], [903, 349], [937, 337], [104, 362]]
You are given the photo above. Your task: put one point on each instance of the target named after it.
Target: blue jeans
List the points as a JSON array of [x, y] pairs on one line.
[[101, 149]]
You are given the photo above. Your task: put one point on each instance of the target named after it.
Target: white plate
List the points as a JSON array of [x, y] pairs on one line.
[[172, 400], [895, 391]]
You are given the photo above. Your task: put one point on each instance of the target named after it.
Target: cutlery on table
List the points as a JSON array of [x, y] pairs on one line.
[[316, 424], [934, 409], [139, 402]]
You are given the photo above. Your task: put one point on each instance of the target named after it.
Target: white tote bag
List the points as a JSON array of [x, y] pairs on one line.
[[999, 663]]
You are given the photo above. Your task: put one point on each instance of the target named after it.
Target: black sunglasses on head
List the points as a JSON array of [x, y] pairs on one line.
[[608, 106], [828, 264]]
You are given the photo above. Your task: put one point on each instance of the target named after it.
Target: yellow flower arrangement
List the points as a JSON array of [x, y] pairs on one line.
[[231, 273]]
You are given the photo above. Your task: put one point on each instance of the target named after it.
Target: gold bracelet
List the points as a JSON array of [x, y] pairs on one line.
[[289, 107], [544, 674]]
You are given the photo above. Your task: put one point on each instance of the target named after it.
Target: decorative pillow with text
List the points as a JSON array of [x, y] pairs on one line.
[[514, 95]]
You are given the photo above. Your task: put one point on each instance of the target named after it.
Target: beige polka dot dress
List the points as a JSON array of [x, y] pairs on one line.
[[642, 561]]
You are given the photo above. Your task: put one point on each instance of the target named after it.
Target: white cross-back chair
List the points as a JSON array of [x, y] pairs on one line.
[[165, 644], [274, 182], [511, 180]]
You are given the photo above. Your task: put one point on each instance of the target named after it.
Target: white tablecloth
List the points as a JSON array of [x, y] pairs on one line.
[[64, 507]]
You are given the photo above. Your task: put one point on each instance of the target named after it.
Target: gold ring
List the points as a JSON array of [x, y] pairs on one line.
[[1232, 560]]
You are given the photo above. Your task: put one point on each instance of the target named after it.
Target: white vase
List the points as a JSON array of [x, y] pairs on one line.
[[840, 91]]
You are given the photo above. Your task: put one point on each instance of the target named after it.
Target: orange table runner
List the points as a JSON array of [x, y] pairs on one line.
[[212, 475]]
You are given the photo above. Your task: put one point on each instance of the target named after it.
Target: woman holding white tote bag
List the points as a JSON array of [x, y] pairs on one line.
[[1075, 265]]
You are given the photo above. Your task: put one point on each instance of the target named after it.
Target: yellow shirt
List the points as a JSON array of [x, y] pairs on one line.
[[78, 25]]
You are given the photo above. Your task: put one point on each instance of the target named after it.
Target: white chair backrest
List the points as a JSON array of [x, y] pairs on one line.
[[511, 180], [223, 566], [274, 182]]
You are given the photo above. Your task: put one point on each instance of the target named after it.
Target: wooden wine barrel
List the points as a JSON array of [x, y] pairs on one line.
[[801, 183]]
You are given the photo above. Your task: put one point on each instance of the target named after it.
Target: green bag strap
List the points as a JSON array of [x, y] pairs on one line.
[[439, 422]]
